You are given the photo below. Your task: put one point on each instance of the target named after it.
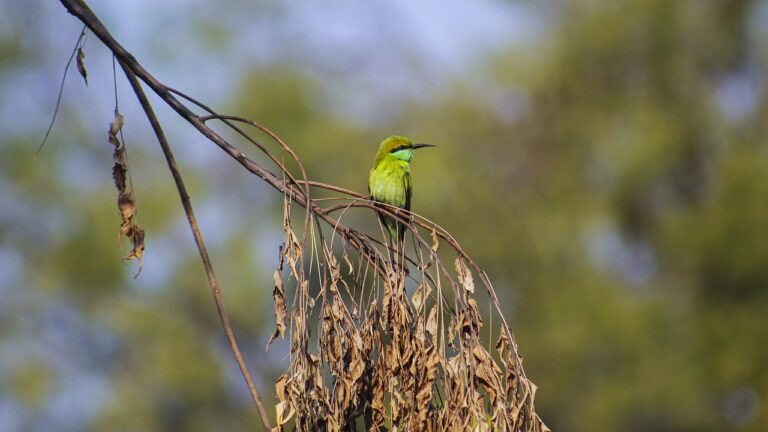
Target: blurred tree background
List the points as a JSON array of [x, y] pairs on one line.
[[617, 148]]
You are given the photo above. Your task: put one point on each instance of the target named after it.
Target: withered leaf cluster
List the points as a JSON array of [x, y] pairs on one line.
[[365, 355], [125, 199]]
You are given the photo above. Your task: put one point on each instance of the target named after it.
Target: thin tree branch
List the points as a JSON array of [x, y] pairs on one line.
[[61, 89], [192, 220]]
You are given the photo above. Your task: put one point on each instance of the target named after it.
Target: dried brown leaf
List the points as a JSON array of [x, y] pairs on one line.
[[117, 123], [350, 267], [419, 296], [488, 372], [284, 417], [136, 236], [280, 387], [125, 199], [465, 275], [432, 324], [502, 344], [474, 314], [81, 65], [280, 309]]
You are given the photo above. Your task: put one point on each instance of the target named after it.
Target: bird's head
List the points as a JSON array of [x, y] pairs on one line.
[[397, 147]]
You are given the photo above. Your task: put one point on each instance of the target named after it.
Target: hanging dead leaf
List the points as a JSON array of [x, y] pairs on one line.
[[280, 309], [474, 314], [136, 236], [465, 276], [283, 417], [419, 296], [432, 324], [116, 125], [81, 65], [280, 387], [502, 344], [125, 199], [350, 267]]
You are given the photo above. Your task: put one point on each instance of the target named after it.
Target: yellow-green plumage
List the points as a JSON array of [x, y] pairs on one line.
[[389, 181]]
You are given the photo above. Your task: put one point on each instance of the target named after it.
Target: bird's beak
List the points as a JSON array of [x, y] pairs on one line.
[[418, 146]]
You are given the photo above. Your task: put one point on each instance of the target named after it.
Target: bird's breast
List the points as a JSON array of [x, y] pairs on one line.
[[387, 184]]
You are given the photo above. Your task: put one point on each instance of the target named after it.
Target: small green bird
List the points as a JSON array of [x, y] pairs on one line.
[[389, 181]]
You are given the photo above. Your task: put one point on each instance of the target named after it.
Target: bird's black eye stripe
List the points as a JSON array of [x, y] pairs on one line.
[[397, 149]]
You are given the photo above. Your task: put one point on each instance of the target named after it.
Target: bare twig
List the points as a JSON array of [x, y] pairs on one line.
[[192, 220], [61, 88]]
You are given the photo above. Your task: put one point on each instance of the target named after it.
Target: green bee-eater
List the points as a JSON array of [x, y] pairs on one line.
[[389, 181]]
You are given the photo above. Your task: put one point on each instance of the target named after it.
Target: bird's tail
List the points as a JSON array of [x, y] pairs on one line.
[[396, 231]]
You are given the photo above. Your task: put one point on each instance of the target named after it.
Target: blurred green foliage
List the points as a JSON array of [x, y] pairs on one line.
[[611, 179]]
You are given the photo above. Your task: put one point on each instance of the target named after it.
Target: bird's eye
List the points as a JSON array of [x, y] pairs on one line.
[[397, 149]]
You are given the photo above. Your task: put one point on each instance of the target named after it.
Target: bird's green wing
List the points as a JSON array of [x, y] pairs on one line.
[[408, 188], [408, 185], [370, 179]]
